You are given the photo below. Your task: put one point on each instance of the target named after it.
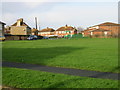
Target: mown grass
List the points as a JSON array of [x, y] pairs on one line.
[[23, 78], [99, 54]]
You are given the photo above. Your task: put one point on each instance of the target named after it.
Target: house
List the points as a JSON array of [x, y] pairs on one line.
[[100, 33], [86, 33], [46, 32], [65, 30], [34, 31], [18, 31], [2, 24], [107, 29], [20, 28], [7, 30]]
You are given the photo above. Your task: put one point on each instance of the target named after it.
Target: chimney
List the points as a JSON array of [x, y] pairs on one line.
[[19, 21], [66, 25]]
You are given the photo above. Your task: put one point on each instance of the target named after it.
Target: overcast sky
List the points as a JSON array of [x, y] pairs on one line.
[[57, 14]]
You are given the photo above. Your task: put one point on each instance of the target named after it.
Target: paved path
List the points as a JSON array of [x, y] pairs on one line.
[[75, 72]]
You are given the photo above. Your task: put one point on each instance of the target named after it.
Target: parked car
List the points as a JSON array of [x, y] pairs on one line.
[[40, 37], [45, 37], [2, 38], [32, 37]]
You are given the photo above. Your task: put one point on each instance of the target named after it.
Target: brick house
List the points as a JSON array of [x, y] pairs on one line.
[[7, 30], [46, 32], [20, 28], [107, 29], [34, 31], [2, 28], [100, 33], [86, 32], [65, 30]]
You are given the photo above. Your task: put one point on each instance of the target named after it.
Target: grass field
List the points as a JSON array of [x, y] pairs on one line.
[[88, 54], [22, 78]]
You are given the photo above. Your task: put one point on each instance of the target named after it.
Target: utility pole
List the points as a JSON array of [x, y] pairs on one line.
[[36, 22], [39, 27], [118, 18]]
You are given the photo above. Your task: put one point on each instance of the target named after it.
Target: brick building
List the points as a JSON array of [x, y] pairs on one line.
[[34, 31], [46, 32], [7, 30], [107, 29], [20, 28], [65, 30]]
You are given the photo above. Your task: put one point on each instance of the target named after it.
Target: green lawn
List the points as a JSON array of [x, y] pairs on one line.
[[88, 54], [22, 78]]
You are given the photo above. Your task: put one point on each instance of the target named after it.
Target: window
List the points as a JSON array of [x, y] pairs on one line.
[[105, 33], [91, 33]]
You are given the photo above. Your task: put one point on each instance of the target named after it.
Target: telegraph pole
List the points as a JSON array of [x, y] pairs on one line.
[[39, 27]]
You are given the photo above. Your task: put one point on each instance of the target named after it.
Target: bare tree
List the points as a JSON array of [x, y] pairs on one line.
[[79, 29]]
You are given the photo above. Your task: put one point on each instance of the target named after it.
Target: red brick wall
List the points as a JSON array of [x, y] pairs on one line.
[[98, 33], [86, 33], [114, 29]]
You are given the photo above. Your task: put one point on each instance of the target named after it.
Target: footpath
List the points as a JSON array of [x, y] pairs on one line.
[[69, 71]]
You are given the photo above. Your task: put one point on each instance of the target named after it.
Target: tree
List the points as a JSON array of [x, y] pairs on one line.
[[79, 29]]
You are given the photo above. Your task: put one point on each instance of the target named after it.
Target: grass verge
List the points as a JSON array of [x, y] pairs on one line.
[[23, 78]]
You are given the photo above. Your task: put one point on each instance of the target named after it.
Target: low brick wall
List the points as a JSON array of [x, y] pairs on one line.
[[16, 37]]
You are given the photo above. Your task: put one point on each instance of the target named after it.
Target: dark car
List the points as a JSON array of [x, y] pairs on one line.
[[40, 37], [32, 37], [45, 37]]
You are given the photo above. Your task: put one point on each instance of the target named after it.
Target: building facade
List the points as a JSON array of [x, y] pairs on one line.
[[7, 30], [2, 28], [34, 31], [46, 32], [20, 28], [107, 29], [66, 30]]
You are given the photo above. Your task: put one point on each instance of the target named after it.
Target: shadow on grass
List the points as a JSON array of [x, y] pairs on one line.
[[65, 82], [35, 55], [116, 69], [82, 83]]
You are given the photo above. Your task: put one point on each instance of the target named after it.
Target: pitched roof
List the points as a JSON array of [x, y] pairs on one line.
[[21, 23], [65, 28], [34, 30], [2, 23], [47, 30], [87, 30], [108, 24], [98, 30]]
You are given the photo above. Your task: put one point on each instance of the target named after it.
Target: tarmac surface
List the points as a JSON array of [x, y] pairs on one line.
[[68, 71]]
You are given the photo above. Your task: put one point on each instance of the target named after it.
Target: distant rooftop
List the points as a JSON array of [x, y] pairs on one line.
[[47, 30], [2, 22], [21, 23], [98, 30], [64, 28], [108, 23]]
